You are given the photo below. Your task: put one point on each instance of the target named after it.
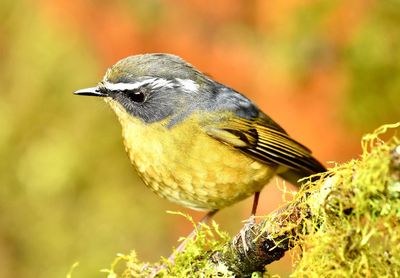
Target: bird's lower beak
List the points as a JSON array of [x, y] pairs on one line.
[[94, 91]]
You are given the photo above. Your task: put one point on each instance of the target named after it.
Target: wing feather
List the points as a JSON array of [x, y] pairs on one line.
[[267, 142]]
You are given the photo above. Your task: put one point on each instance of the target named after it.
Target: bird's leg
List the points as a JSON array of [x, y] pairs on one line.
[[206, 218], [249, 223], [254, 208]]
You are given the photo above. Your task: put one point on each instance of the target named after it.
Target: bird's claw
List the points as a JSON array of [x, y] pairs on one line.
[[249, 223]]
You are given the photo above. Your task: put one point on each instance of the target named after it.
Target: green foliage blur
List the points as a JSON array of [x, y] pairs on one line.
[[67, 190], [373, 62]]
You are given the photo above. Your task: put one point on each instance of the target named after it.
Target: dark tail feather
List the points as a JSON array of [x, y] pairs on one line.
[[293, 176]]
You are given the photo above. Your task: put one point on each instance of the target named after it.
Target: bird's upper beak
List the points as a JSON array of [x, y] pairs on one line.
[[94, 91]]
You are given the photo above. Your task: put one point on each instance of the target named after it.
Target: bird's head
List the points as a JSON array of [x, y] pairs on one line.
[[151, 87]]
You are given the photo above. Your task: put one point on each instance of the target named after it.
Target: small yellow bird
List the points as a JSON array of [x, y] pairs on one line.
[[194, 141]]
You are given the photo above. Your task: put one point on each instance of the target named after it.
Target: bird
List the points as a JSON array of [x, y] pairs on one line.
[[193, 140]]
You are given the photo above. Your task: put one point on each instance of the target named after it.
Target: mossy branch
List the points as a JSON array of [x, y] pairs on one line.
[[256, 246]]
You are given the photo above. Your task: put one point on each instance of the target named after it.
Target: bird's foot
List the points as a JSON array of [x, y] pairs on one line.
[[249, 224]]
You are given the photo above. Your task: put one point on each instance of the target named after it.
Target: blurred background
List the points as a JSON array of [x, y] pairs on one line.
[[327, 71]]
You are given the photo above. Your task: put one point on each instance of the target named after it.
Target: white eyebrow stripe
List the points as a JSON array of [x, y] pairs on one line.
[[161, 82], [188, 84], [153, 82], [126, 86]]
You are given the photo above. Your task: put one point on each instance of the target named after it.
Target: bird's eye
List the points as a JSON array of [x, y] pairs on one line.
[[136, 96]]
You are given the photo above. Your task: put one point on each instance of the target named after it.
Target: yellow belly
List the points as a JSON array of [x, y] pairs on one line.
[[188, 167]]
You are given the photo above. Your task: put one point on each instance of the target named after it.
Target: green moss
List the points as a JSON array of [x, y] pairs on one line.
[[192, 262], [355, 217]]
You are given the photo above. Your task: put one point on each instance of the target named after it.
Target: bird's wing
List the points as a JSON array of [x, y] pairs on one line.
[[265, 141]]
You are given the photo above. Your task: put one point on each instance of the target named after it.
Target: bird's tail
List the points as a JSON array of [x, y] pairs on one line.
[[294, 175]]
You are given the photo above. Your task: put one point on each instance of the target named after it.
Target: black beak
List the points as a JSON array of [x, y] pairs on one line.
[[94, 92]]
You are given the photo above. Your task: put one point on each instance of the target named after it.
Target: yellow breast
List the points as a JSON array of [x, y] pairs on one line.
[[188, 167]]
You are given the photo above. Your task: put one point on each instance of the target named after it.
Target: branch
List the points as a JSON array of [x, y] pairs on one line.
[[256, 246]]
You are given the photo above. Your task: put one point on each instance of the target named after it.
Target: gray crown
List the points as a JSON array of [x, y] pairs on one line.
[[159, 65]]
